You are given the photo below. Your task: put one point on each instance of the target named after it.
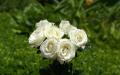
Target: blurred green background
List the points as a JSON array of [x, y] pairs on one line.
[[99, 18]]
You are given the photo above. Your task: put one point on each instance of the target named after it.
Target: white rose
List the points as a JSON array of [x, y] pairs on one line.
[[48, 48], [54, 31], [43, 23], [65, 51], [36, 38], [78, 37], [66, 26]]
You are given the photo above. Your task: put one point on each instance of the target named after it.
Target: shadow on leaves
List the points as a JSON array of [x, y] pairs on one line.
[[57, 69]]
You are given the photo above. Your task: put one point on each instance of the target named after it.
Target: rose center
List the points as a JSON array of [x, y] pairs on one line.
[[50, 46], [65, 49], [79, 37]]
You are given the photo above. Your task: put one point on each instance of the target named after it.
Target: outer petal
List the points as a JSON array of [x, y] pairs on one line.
[[54, 31], [43, 23], [66, 26]]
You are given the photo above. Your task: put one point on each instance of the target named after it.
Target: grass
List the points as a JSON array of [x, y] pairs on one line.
[[18, 58]]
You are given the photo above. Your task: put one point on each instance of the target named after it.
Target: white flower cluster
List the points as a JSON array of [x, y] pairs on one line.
[[51, 41]]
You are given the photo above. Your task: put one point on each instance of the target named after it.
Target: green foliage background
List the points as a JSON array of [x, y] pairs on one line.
[[101, 21]]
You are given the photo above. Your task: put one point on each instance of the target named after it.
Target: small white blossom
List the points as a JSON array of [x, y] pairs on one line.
[[54, 31], [48, 48], [65, 51], [78, 37], [66, 26]]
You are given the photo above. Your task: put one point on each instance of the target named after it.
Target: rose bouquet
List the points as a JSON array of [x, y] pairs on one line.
[[58, 43]]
